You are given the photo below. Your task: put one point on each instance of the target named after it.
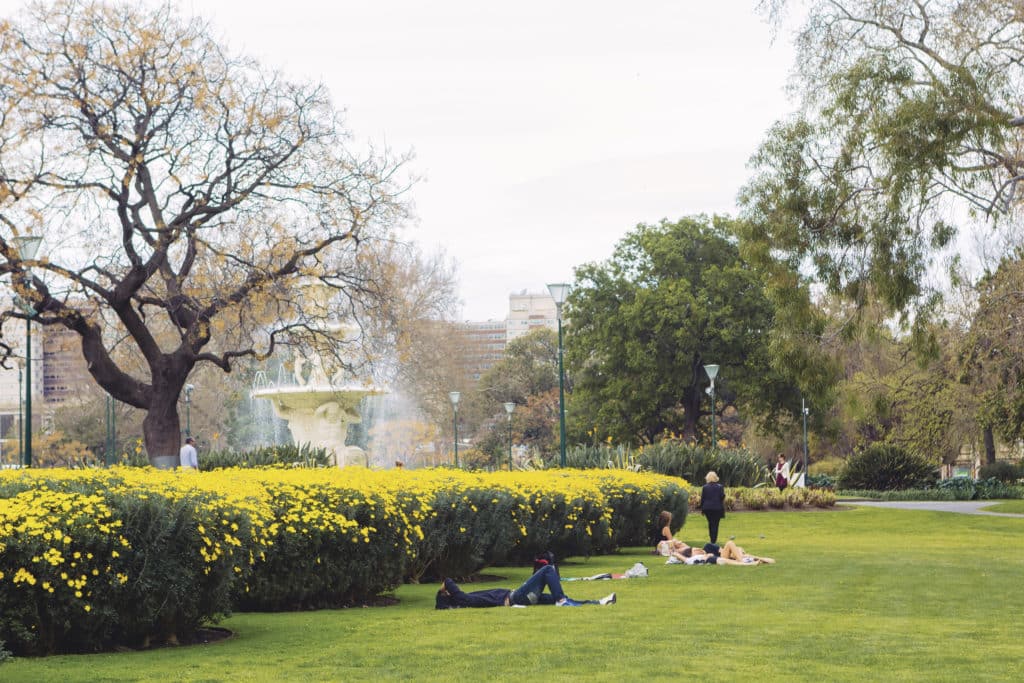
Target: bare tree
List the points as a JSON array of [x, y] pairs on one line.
[[190, 198]]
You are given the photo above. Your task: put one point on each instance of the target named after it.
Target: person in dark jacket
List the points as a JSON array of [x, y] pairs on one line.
[[712, 504], [530, 593]]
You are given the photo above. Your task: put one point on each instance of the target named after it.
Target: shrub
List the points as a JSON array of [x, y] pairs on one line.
[[830, 466], [735, 467], [301, 456], [962, 488], [1006, 472], [989, 489], [884, 467], [821, 481]]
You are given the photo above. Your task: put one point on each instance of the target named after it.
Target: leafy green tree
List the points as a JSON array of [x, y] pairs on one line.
[[642, 325], [528, 376], [910, 114], [994, 353]]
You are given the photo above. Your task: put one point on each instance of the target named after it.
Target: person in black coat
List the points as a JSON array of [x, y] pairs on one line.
[[712, 504]]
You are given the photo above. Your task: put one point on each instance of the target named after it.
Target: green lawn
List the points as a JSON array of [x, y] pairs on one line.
[[1015, 506], [856, 595]]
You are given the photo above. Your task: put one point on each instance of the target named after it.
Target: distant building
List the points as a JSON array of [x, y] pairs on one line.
[[486, 340], [529, 312], [65, 373], [484, 345], [59, 374]]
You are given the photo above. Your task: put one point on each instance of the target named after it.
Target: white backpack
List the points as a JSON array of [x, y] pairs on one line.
[[636, 571]]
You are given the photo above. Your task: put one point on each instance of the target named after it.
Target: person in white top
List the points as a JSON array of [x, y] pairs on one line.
[[781, 472], [188, 456]]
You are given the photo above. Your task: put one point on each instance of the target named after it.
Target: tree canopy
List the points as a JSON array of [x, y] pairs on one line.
[[197, 206], [672, 298], [910, 126]]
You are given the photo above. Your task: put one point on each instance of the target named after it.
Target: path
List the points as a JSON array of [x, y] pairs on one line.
[[965, 507]]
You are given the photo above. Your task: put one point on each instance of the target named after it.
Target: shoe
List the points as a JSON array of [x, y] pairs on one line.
[[562, 603], [608, 600]]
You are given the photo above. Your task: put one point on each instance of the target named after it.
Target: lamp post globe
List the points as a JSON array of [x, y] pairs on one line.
[[712, 371]]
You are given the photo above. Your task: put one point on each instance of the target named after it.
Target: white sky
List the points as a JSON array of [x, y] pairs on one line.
[[543, 131]]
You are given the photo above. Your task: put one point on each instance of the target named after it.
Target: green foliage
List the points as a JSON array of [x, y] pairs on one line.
[[1006, 472], [672, 297], [5, 654], [734, 467], [904, 110], [962, 488], [305, 455], [830, 466], [825, 481], [602, 456], [884, 467]]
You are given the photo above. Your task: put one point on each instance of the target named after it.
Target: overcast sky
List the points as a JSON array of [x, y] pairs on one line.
[[543, 131]]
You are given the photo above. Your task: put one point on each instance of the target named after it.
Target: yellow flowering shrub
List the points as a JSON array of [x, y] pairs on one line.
[[90, 559]]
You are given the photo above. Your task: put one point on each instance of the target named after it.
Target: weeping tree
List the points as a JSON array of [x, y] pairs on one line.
[[910, 129], [191, 199]]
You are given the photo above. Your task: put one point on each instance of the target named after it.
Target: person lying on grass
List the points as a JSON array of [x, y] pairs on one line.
[[730, 553], [530, 593]]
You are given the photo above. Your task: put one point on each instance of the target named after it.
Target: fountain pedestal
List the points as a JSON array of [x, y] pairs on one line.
[[320, 416]]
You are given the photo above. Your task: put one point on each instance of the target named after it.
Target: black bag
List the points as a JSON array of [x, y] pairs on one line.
[[542, 560]]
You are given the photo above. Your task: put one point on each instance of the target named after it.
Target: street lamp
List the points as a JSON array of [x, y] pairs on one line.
[[189, 388], [559, 292], [111, 446], [27, 246], [509, 407], [21, 418], [712, 371], [805, 410], [453, 396]]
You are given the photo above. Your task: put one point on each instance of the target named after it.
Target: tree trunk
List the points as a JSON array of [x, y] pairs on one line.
[[990, 446], [161, 430]]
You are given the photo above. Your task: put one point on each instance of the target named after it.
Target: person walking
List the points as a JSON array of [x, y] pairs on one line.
[[189, 457], [781, 472], [712, 504]]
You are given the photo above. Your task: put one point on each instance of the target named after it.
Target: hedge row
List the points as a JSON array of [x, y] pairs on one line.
[[92, 559], [676, 458], [763, 498]]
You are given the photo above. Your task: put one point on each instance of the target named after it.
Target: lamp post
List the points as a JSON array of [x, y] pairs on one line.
[[28, 245], [509, 407], [559, 292], [805, 410], [21, 419], [189, 388], [712, 371], [453, 396], [111, 432]]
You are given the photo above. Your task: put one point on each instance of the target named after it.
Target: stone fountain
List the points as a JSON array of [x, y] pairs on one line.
[[319, 407]]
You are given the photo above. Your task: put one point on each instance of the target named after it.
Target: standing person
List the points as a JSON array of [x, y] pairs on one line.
[[712, 504], [781, 472], [188, 456]]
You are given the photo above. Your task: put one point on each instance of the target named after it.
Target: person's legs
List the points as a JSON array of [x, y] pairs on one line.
[[732, 551], [532, 590], [713, 520]]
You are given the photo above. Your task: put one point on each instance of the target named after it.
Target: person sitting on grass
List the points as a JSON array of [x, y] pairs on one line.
[[530, 593]]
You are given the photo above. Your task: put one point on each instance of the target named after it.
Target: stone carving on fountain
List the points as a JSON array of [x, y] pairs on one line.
[[320, 406]]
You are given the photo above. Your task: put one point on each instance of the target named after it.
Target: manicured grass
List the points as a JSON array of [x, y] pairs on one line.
[[864, 594], [1015, 506]]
